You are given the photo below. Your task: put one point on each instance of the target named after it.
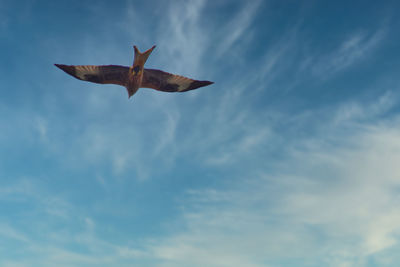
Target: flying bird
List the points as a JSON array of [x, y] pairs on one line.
[[133, 77]]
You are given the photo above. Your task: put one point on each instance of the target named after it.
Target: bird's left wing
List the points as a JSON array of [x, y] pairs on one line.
[[106, 74], [167, 82]]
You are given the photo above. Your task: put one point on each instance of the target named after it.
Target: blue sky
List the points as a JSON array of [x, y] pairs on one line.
[[290, 159]]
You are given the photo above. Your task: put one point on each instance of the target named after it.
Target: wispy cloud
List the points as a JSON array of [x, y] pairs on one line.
[[238, 28], [167, 134], [50, 226], [9, 232], [355, 111], [181, 36], [350, 51], [340, 191], [317, 186]]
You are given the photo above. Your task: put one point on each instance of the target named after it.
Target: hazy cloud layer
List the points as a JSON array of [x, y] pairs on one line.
[[289, 159]]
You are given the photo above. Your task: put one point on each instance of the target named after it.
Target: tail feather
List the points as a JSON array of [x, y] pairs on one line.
[[141, 58]]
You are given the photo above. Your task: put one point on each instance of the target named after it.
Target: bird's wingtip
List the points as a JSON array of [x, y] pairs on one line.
[[205, 83], [196, 84]]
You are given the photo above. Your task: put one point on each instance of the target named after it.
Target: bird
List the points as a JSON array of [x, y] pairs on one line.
[[133, 77]]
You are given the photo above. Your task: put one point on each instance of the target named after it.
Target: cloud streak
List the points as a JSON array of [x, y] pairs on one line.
[[239, 174], [351, 50], [238, 28], [339, 192]]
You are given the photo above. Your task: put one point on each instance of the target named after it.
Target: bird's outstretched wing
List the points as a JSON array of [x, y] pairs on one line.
[[167, 82], [113, 74]]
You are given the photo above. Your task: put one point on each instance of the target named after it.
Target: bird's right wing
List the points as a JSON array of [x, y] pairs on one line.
[[106, 74], [167, 82]]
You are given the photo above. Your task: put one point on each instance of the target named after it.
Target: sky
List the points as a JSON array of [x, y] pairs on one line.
[[291, 157]]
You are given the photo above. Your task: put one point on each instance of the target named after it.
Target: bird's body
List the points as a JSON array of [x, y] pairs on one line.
[[133, 77]]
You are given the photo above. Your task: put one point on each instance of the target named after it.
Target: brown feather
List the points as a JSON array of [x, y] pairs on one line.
[[167, 82], [106, 74]]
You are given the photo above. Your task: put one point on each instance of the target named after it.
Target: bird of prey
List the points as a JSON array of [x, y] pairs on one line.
[[133, 77]]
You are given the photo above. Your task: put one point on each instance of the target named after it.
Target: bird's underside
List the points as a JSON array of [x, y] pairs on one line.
[[114, 74], [133, 77]]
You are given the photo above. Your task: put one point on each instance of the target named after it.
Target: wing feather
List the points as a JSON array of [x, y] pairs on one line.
[[167, 82], [106, 74]]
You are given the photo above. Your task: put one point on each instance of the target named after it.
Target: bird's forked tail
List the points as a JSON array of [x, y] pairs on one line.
[[141, 58]]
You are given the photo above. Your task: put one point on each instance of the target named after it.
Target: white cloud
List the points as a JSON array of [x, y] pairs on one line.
[[167, 134], [333, 197], [235, 150], [41, 127], [354, 111], [9, 232], [238, 27], [44, 237], [351, 51], [181, 37], [332, 201]]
